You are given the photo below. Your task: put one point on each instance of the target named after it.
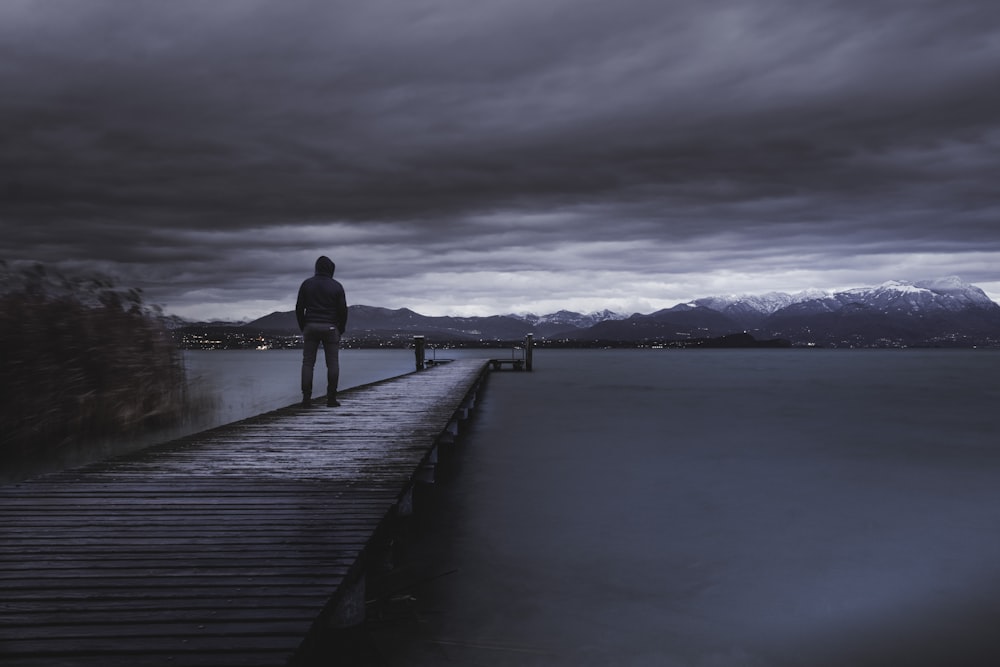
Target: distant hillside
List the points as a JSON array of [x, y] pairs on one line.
[[676, 323], [942, 312], [276, 322], [368, 321]]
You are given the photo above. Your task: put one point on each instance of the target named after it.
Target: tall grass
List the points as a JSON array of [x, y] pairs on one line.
[[80, 359]]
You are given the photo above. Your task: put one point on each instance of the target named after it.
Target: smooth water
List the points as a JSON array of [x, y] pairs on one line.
[[719, 507], [236, 384]]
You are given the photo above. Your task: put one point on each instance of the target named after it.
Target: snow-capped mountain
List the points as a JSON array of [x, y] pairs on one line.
[[570, 319], [957, 292], [561, 321], [752, 309], [943, 311], [763, 304], [948, 294]]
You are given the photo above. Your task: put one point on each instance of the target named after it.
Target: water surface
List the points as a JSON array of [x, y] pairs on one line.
[[718, 507]]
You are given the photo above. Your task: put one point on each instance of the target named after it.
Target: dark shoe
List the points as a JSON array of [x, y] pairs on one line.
[[306, 401], [332, 403]]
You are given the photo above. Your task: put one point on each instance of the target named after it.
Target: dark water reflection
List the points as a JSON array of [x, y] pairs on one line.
[[715, 508]]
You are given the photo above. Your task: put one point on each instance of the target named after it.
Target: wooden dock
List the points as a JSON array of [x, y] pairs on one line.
[[236, 546]]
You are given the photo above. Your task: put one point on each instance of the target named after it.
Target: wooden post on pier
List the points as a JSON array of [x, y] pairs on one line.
[[418, 349], [529, 342]]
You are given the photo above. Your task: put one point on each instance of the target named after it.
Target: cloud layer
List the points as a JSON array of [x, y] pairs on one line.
[[460, 158]]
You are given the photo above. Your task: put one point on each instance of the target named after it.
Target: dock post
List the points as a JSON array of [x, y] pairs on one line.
[[350, 609], [528, 344], [418, 349]]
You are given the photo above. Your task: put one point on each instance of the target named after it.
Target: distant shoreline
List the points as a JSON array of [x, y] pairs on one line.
[[234, 339]]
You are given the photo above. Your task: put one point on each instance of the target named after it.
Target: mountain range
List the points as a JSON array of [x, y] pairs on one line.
[[940, 312]]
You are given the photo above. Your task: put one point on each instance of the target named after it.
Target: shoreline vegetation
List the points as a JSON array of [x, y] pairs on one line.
[[84, 361]]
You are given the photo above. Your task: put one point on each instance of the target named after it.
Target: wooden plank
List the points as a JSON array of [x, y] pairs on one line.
[[221, 548]]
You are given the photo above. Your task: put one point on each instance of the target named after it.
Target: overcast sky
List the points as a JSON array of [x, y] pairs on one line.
[[474, 158]]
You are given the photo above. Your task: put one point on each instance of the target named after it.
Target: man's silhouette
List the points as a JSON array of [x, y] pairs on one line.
[[321, 310]]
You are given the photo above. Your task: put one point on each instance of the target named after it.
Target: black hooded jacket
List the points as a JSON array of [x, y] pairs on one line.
[[321, 299]]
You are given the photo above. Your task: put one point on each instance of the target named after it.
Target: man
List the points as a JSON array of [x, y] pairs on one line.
[[321, 310]]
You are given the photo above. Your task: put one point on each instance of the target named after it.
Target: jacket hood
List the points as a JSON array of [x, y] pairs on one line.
[[325, 266]]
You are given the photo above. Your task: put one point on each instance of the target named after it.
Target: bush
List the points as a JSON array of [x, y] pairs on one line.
[[81, 359]]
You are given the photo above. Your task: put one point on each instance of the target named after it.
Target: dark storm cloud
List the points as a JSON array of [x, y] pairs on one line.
[[132, 130]]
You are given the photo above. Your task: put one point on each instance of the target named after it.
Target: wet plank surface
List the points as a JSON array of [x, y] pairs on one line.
[[223, 548]]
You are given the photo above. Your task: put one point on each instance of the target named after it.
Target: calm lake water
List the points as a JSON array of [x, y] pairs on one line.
[[235, 384], [717, 507]]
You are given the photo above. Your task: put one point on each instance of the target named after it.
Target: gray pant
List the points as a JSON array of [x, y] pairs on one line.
[[328, 335]]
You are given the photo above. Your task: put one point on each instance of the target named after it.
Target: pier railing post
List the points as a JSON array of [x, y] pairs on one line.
[[529, 341], [419, 343]]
